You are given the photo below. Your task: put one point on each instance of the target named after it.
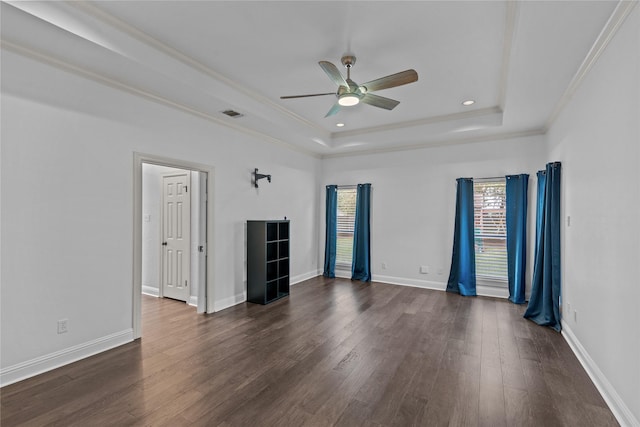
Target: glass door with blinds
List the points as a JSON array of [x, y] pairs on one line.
[[346, 217], [490, 228]]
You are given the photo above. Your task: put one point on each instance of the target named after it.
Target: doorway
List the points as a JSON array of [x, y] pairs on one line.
[[170, 233], [183, 268]]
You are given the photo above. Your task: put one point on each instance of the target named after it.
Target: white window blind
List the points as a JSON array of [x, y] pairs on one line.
[[490, 226], [346, 213]]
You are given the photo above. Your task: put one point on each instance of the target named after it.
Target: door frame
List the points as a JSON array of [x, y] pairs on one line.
[[138, 160]]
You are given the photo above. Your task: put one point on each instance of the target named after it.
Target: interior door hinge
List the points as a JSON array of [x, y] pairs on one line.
[[185, 284], [186, 189]]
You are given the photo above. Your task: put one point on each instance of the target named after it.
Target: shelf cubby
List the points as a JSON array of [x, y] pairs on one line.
[[267, 261]]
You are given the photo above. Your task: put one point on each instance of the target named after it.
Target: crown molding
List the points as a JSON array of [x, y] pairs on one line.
[[147, 39], [149, 96], [440, 143], [419, 122], [620, 13]]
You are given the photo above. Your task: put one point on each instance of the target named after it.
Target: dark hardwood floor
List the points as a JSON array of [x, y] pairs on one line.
[[335, 352]]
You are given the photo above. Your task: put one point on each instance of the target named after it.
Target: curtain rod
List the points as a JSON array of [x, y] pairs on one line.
[[489, 177], [347, 186], [493, 177]]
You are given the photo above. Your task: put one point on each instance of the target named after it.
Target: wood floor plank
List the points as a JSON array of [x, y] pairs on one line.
[[410, 413], [355, 414], [334, 406], [336, 352], [517, 408]]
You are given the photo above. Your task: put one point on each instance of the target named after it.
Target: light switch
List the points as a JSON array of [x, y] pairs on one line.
[[147, 218]]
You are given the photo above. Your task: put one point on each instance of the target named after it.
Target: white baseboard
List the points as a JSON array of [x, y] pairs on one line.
[[304, 276], [150, 290], [193, 301], [415, 283], [482, 290], [60, 358], [240, 298], [619, 409], [229, 302]]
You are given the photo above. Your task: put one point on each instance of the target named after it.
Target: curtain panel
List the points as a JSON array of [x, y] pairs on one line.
[[462, 276], [516, 213], [330, 240], [361, 265], [544, 304]]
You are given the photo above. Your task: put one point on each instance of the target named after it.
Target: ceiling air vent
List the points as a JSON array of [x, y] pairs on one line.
[[232, 113]]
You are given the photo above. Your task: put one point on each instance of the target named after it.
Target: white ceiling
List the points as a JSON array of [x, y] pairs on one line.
[[517, 60]]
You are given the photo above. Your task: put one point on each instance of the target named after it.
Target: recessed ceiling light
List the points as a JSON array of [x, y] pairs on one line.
[[340, 125], [468, 102]]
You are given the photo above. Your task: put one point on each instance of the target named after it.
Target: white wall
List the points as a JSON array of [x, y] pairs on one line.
[[413, 201], [67, 208], [597, 138]]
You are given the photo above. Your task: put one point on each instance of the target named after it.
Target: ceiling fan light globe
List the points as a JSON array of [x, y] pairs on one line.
[[348, 100]]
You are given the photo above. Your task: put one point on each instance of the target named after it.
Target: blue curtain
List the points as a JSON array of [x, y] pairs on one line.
[[361, 265], [462, 277], [516, 210], [544, 304], [331, 231], [542, 179]]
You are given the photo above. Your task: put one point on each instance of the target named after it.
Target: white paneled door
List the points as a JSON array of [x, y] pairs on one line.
[[176, 217]]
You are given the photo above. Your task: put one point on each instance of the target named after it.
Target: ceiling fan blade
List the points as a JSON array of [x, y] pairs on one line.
[[333, 110], [333, 73], [379, 101], [398, 79], [307, 96]]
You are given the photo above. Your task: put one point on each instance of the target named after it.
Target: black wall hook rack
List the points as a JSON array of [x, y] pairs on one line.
[[257, 176]]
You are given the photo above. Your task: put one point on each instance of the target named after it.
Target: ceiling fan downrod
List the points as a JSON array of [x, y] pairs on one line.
[[348, 61]]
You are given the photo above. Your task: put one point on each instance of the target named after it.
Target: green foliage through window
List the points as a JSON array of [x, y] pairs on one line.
[[346, 213], [490, 227]]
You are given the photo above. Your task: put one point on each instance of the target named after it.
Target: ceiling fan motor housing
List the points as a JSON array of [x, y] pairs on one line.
[[348, 60]]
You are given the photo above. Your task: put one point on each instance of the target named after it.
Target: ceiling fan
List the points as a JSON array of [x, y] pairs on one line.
[[350, 93]]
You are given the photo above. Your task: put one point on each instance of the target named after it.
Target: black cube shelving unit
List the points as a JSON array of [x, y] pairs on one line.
[[267, 261]]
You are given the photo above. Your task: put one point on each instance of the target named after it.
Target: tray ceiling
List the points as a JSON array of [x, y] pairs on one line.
[[516, 60]]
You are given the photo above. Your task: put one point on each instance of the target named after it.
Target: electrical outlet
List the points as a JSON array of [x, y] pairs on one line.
[[575, 316], [63, 326], [424, 269], [384, 265], [440, 271]]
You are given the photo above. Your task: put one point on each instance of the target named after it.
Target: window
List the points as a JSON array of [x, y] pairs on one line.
[[490, 227], [346, 213]]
